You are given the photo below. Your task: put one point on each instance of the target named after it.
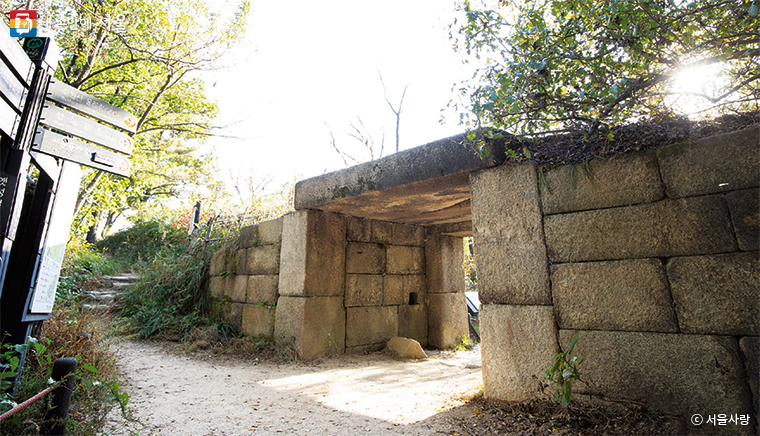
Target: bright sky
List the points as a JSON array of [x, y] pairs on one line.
[[305, 64]]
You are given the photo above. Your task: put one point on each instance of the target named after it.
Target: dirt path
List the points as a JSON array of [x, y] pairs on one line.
[[348, 395]]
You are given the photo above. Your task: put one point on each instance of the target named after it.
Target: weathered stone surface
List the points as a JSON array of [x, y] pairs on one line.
[[745, 215], [365, 258], [698, 225], [233, 313], [235, 288], [406, 348], [412, 322], [628, 295], [393, 290], [406, 234], [518, 343], [249, 236], [258, 321], [218, 263], [263, 260], [231, 262], [710, 165], [364, 290], [216, 286], [405, 260], [262, 289], [618, 181], [270, 232], [413, 284], [460, 230], [314, 326], [409, 187], [358, 229], [313, 257], [507, 230], [717, 294], [241, 261], [447, 319], [674, 373], [443, 263], [750, 347], [370, 325], [381, 232]]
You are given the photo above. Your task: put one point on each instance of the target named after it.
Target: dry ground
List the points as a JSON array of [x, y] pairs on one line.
[[178, 393]]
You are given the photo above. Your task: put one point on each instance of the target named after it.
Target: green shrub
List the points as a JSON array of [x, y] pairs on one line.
[[82, 266], [143, 241]]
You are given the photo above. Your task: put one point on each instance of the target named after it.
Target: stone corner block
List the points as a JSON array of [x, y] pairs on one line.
[[518, 343], [313, 255], [270, 232], [364, 290], [688, 226], [236, 287], [262, 260], [249, 236], [262, 289], [358, 229], [407, 234], [618, 181], [750, 347], [745, 215], [405, 260], [381, 232], [218, 263], [233, 313], [447, 319], [413, 322], [509, 236], [444, 256], [365, 258], [313, 326], [217, 286], [628, 295], [674, 373], [258, 321], [710, 165], [717, 294], [370, 325]]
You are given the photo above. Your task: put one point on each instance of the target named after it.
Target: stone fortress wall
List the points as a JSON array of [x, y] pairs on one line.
[[654, 261], [652, 257]]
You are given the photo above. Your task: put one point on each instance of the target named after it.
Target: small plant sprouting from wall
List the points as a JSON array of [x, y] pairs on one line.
[[563, 373]]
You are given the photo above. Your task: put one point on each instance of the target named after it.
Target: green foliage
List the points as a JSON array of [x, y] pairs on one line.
[[81, 268], [143, 241], [146, 56], [465, 343], [171, 299], [90, 399], [580, 65], [563, 373]]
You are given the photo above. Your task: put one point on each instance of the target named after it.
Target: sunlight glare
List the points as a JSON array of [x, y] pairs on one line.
[[691, 86]]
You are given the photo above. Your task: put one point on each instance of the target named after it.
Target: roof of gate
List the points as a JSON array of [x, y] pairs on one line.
[[425, 185]]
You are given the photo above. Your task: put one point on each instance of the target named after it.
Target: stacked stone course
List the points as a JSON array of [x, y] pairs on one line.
[[245, 278], [652, 258]]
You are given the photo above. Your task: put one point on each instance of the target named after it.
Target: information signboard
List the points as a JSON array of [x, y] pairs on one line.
[[71, 123], [80, 101], [49, 270], [80, 152]]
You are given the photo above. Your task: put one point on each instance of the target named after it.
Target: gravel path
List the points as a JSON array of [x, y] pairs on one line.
[[180, 394]]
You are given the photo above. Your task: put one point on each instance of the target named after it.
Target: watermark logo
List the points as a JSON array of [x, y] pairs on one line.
[[23, 23]]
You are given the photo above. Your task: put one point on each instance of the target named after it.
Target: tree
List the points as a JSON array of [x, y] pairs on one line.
[[585, 65], [363, 136], [145, 56]]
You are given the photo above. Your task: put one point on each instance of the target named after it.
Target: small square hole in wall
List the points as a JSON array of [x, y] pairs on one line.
[[413, 299]]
